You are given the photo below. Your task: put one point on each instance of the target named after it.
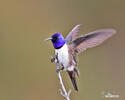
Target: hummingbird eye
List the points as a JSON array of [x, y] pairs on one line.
[[55, 39]]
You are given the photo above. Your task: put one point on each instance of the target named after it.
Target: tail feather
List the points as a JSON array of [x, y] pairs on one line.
[[73, 79]]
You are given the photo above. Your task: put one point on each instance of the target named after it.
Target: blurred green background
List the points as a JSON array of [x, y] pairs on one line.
[[26, 72]]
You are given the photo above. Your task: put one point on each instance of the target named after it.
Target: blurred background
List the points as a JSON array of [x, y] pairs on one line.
[[26, 72]]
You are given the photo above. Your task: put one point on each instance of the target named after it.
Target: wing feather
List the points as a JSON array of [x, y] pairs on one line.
[[73, 34], [92, 39]]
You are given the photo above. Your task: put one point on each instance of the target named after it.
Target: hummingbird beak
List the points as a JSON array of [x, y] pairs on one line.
[[48, 39]]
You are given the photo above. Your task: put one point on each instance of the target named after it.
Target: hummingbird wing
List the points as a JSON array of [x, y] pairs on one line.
[[91, 39], [73, 34]]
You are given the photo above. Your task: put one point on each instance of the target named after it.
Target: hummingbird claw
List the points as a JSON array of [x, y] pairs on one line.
[[52, 59], [58, 70]]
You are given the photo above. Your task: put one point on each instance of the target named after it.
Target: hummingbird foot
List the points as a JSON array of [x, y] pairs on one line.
[[52, 59], [59, 69]]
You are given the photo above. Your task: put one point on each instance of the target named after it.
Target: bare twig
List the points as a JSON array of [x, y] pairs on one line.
[[63, 91]]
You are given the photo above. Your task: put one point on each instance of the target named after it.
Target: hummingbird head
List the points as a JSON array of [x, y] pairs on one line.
[[57, 40]]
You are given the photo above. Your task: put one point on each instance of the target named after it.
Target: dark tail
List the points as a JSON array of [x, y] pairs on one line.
[[73, 79]]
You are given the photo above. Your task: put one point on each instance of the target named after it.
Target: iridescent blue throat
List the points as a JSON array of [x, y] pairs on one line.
[[58, 40]]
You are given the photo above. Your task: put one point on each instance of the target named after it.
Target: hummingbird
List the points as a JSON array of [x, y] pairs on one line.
[[67, 49]]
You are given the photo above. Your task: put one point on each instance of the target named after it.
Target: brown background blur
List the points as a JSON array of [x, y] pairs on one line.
[[26, 72]]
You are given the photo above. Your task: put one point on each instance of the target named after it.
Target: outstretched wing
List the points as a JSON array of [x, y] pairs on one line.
[[73, 34], [92, 39]]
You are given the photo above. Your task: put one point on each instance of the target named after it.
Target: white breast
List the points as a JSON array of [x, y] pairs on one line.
[[63, 56]]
